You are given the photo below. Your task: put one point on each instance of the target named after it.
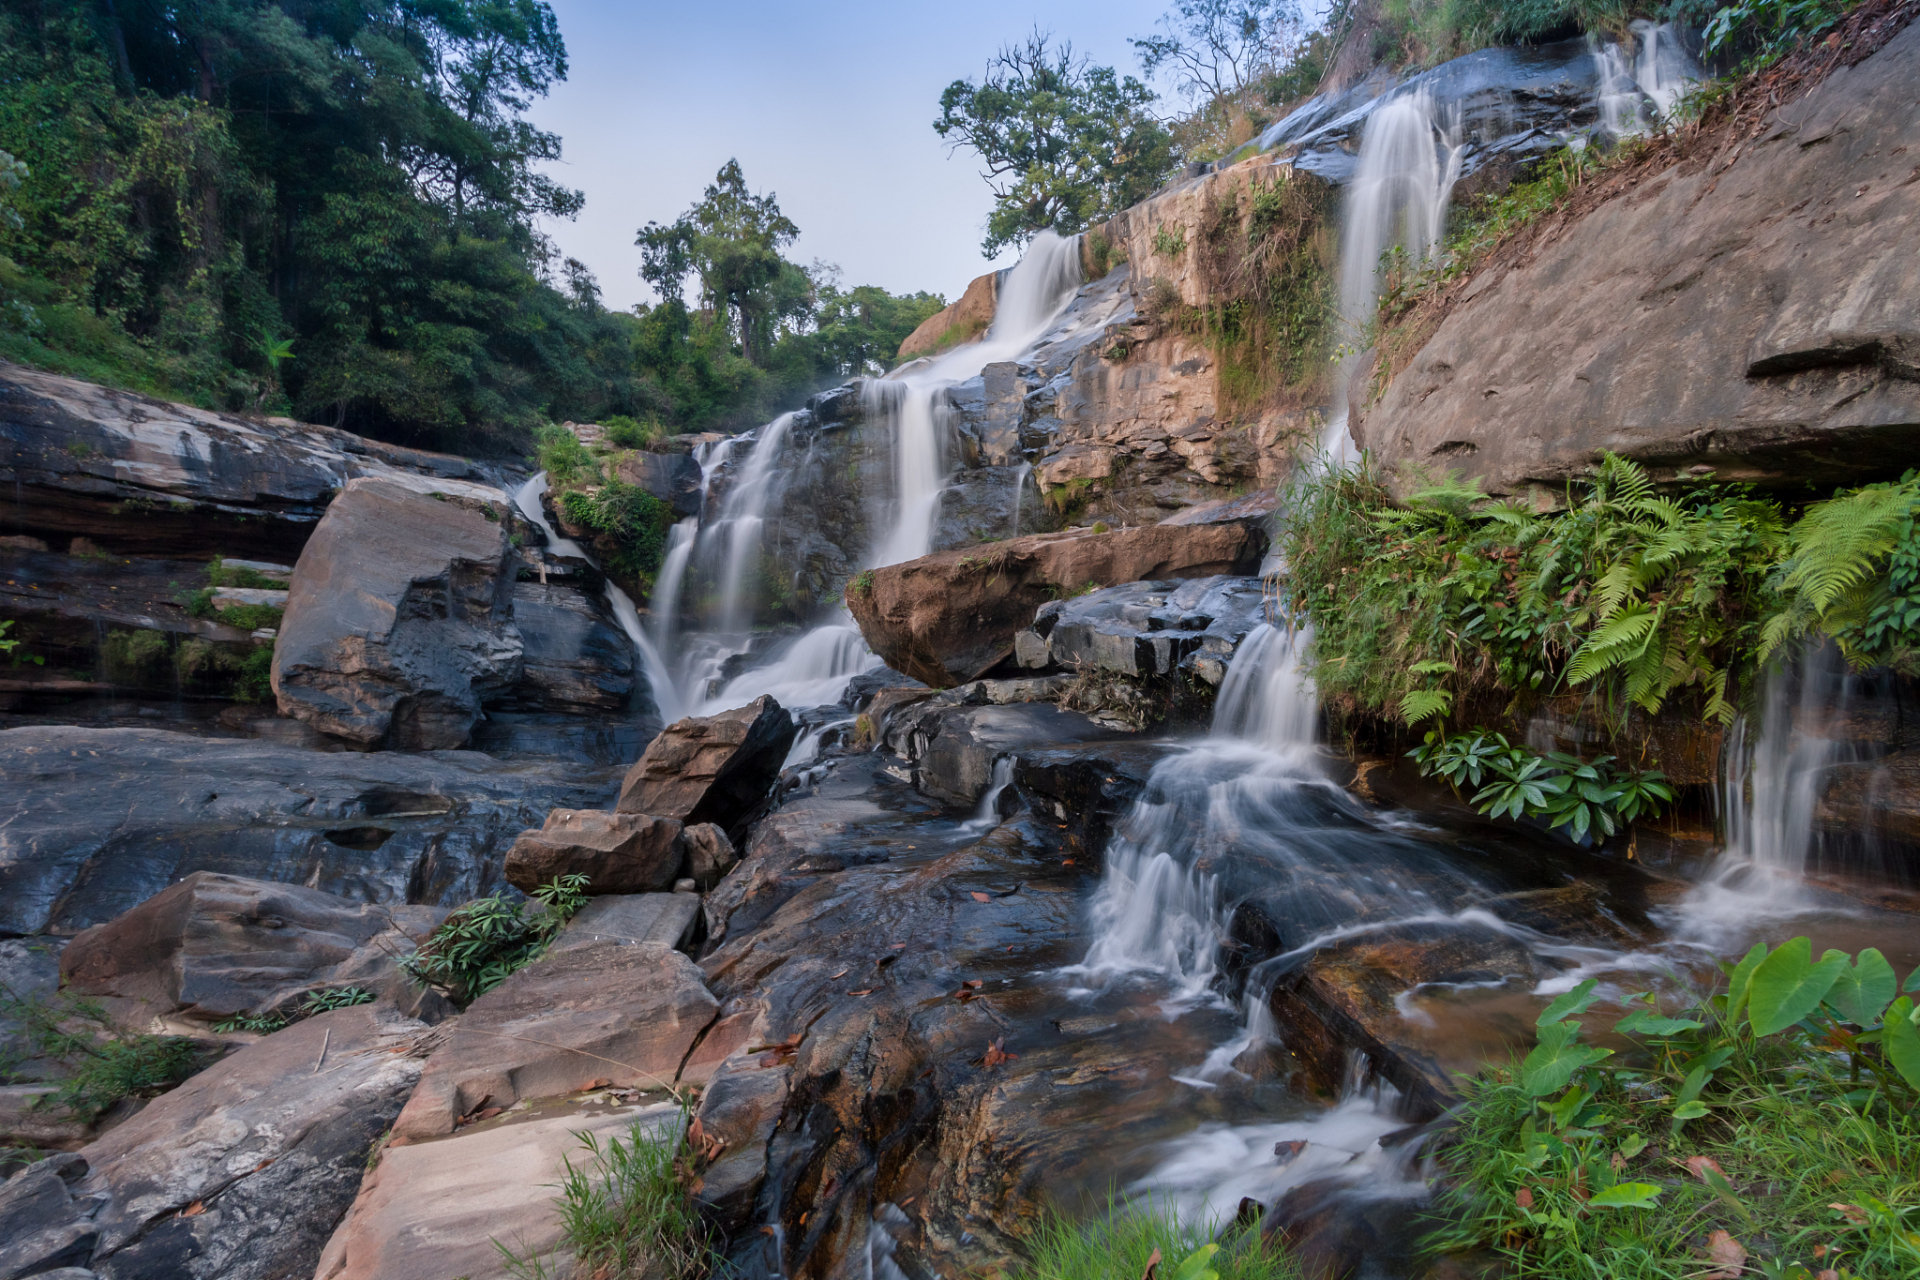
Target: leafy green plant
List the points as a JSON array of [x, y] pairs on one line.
[[1169, 243], [626, 1213], [335, 998], [627, 516], [1775, 26], [314, 1002], [559, 453], [1144, 1237], [1756, 1099], [258, 1024], [1587, 797], [96, 1064], [11, 648], [476, 947], [861, 584], [629, 433], [1854, 575], [222, 574]]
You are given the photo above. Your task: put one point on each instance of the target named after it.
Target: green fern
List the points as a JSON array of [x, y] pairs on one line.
[[1424, 704]]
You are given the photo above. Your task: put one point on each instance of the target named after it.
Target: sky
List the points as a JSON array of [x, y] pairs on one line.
[[829, 106]]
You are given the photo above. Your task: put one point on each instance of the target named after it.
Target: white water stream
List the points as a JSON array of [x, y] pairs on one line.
[[1640, 83]]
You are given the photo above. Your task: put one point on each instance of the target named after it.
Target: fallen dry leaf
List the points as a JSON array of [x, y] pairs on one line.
[[1066, 862], [1153, 1262], [194, 1210], [904, 1203], [1523, 1198], [1698, 1166], [982, 897], [1728, 1256], [867, 992], [1828, 1275], [899, 946], [997, 1054], [836, 977], [1852, 1212]]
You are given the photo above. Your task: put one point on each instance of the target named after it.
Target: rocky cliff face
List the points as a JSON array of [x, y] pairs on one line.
[[1752, 309]]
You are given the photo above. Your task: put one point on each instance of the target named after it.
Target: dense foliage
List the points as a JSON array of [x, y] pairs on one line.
[[1769, 1126], [1591, 799], [475, 948], [93, 1064], [1065, 143], [1238, 64]]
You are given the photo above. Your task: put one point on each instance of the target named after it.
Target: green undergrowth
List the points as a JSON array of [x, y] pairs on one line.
[[1765, 1129], [1589, 799], [315, 1002], [95, 1065], [630, 520], [156, 659], [625, 1213], [13, 649], [1148, 1239], [475, 948], [1629, 596]]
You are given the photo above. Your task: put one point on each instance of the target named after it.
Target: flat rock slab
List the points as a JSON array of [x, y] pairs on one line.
[[434, 1210], [215, 945], [100, 820], [242, 1172], [666, 919], [617, 852], [399, 620], [602, 1013], [953, 748]]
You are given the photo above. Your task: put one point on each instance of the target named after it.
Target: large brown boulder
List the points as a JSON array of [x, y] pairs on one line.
[[617, 852], [608, 1011], [1758, 314], [958, 322], [711, 768], [399, 619], [215, 945], [946, 617]]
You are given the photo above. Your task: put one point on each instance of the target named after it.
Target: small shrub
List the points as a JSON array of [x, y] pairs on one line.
[[96, 1065], [473, 950], [631, 519], [1169, 243], [222, 574], [627, 1213], [11, 648], [131, 656], [861, 584], [630, 433], [559, 453], [1123, 1242]]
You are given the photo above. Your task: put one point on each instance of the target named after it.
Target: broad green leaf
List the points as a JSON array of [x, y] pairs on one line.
[[1718, 1184], [1788, 985], [1902, 1040], [1739, 984], [1645, 1022], [1195, 1266], [1568, 1003], [1626, 1195], [1632, 1145], [1695, 1083], [1864, 988], [1913, 981], [1688, 1111], [1567, 1107], [1554, 1060]]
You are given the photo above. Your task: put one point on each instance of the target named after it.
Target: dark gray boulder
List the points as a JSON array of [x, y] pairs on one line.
[[1146, 628], [100, 820], [400, 620], [576, 656]]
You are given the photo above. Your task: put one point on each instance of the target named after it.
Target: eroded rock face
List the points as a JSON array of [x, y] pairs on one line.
[[215, 945], [711, 768], [1146, 628], [244, 1170], [103, 819], [607, 1011], [400, 620], [962, 321], [1755, 317], [149, 477], [946, 617], [577, 659], [617, 852]]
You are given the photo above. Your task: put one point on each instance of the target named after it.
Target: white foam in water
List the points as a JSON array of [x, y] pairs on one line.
[[743, 514], [988, 815], [1655, 76], [811, 672]]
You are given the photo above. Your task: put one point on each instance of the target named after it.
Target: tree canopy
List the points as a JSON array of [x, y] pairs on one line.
[[1065, 143]]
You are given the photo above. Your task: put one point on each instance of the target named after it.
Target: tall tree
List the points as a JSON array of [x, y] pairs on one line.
[[1065, 143]]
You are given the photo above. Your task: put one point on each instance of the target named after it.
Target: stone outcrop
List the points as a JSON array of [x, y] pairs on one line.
[[442, 1210], [100, 820], [580, 1017], [617, 852], [951, 750], [1754, 316], [1146, 629], [576, 657], [149, 477], [962, 321], [949, 616], [710, 854], [400, 621], [239, 1174], [669, 919], [216, 945], [714, 769], [668, 474]]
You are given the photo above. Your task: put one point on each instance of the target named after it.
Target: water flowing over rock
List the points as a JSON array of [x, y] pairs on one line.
[[617, 852], [1775, 283], [400, 621], [213, 946], [104, 819], [151, 477], [1146, 628], [949, 616], [711, 768]]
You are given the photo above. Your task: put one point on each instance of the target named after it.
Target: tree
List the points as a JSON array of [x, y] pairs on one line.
[[1220, 48], [732, 240], [1065, 143], [859, 331]]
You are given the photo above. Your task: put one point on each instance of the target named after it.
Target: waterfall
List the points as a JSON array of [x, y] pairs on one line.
[[666, 696], [1031, 297], [1266, 697], [743, 514], [664, 607], [1656, 75], [1402, 181], [1021, 475]]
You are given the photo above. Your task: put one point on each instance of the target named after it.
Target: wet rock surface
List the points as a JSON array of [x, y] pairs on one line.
[[400, 621], [617, 852], [216, 945], [576, 658], [711, 768], [100, 820], [1780, 377], [950, 616], [150, 477], [1146, 628]]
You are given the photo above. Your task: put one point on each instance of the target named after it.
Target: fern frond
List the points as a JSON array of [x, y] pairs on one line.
[[1423, 704], [1839, 543], [1619, 641], [1615, 585]]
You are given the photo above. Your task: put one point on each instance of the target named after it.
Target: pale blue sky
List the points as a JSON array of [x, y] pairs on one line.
[[829, 106]]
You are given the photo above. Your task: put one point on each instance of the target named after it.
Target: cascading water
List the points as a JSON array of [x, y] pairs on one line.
[[743, 515], [1402, 181], [665, 695], [1639, 90], [1031, 297]]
